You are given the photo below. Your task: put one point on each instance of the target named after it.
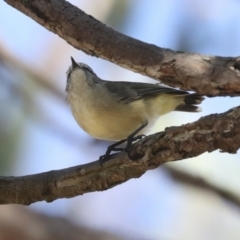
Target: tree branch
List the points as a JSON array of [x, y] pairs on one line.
[[197, 181], [207, 75], [216, 131]]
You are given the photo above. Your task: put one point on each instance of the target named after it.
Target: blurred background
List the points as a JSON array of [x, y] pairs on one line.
[[38, 132]]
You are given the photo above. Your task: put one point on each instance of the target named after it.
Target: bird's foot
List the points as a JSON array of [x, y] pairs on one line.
[[130, 139]]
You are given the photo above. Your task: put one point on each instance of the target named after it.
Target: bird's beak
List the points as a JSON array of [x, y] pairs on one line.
[[74, 64]]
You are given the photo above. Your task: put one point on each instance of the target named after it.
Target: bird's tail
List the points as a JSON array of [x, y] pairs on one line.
[[189, 102]]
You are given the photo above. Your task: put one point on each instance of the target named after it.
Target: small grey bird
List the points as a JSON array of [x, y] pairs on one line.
[[116, 110]]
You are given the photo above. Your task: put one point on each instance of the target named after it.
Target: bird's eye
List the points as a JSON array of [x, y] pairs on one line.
[[87, 68]]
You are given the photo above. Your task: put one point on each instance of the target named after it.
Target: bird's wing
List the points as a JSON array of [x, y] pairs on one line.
[[130, 91]]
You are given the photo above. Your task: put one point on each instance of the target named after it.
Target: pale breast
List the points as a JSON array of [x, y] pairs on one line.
[[109, 119]]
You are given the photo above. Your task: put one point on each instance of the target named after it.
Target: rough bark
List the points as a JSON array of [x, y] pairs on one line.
[[216, 131], [207, 75]]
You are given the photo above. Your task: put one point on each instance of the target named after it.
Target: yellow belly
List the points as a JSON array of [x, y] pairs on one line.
[[115, 121], [110, 123]]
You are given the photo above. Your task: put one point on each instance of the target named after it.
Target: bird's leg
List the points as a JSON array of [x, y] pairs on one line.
[[111, 148], [130, 139]]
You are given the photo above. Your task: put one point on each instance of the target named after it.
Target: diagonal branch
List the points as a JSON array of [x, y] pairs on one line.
[[216, 131], [199, 182], [207, 75]]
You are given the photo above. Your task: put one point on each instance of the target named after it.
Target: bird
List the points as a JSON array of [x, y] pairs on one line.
[[119, 110]]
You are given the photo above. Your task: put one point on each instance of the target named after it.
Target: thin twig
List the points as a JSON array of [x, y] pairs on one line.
[[197, 181]]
